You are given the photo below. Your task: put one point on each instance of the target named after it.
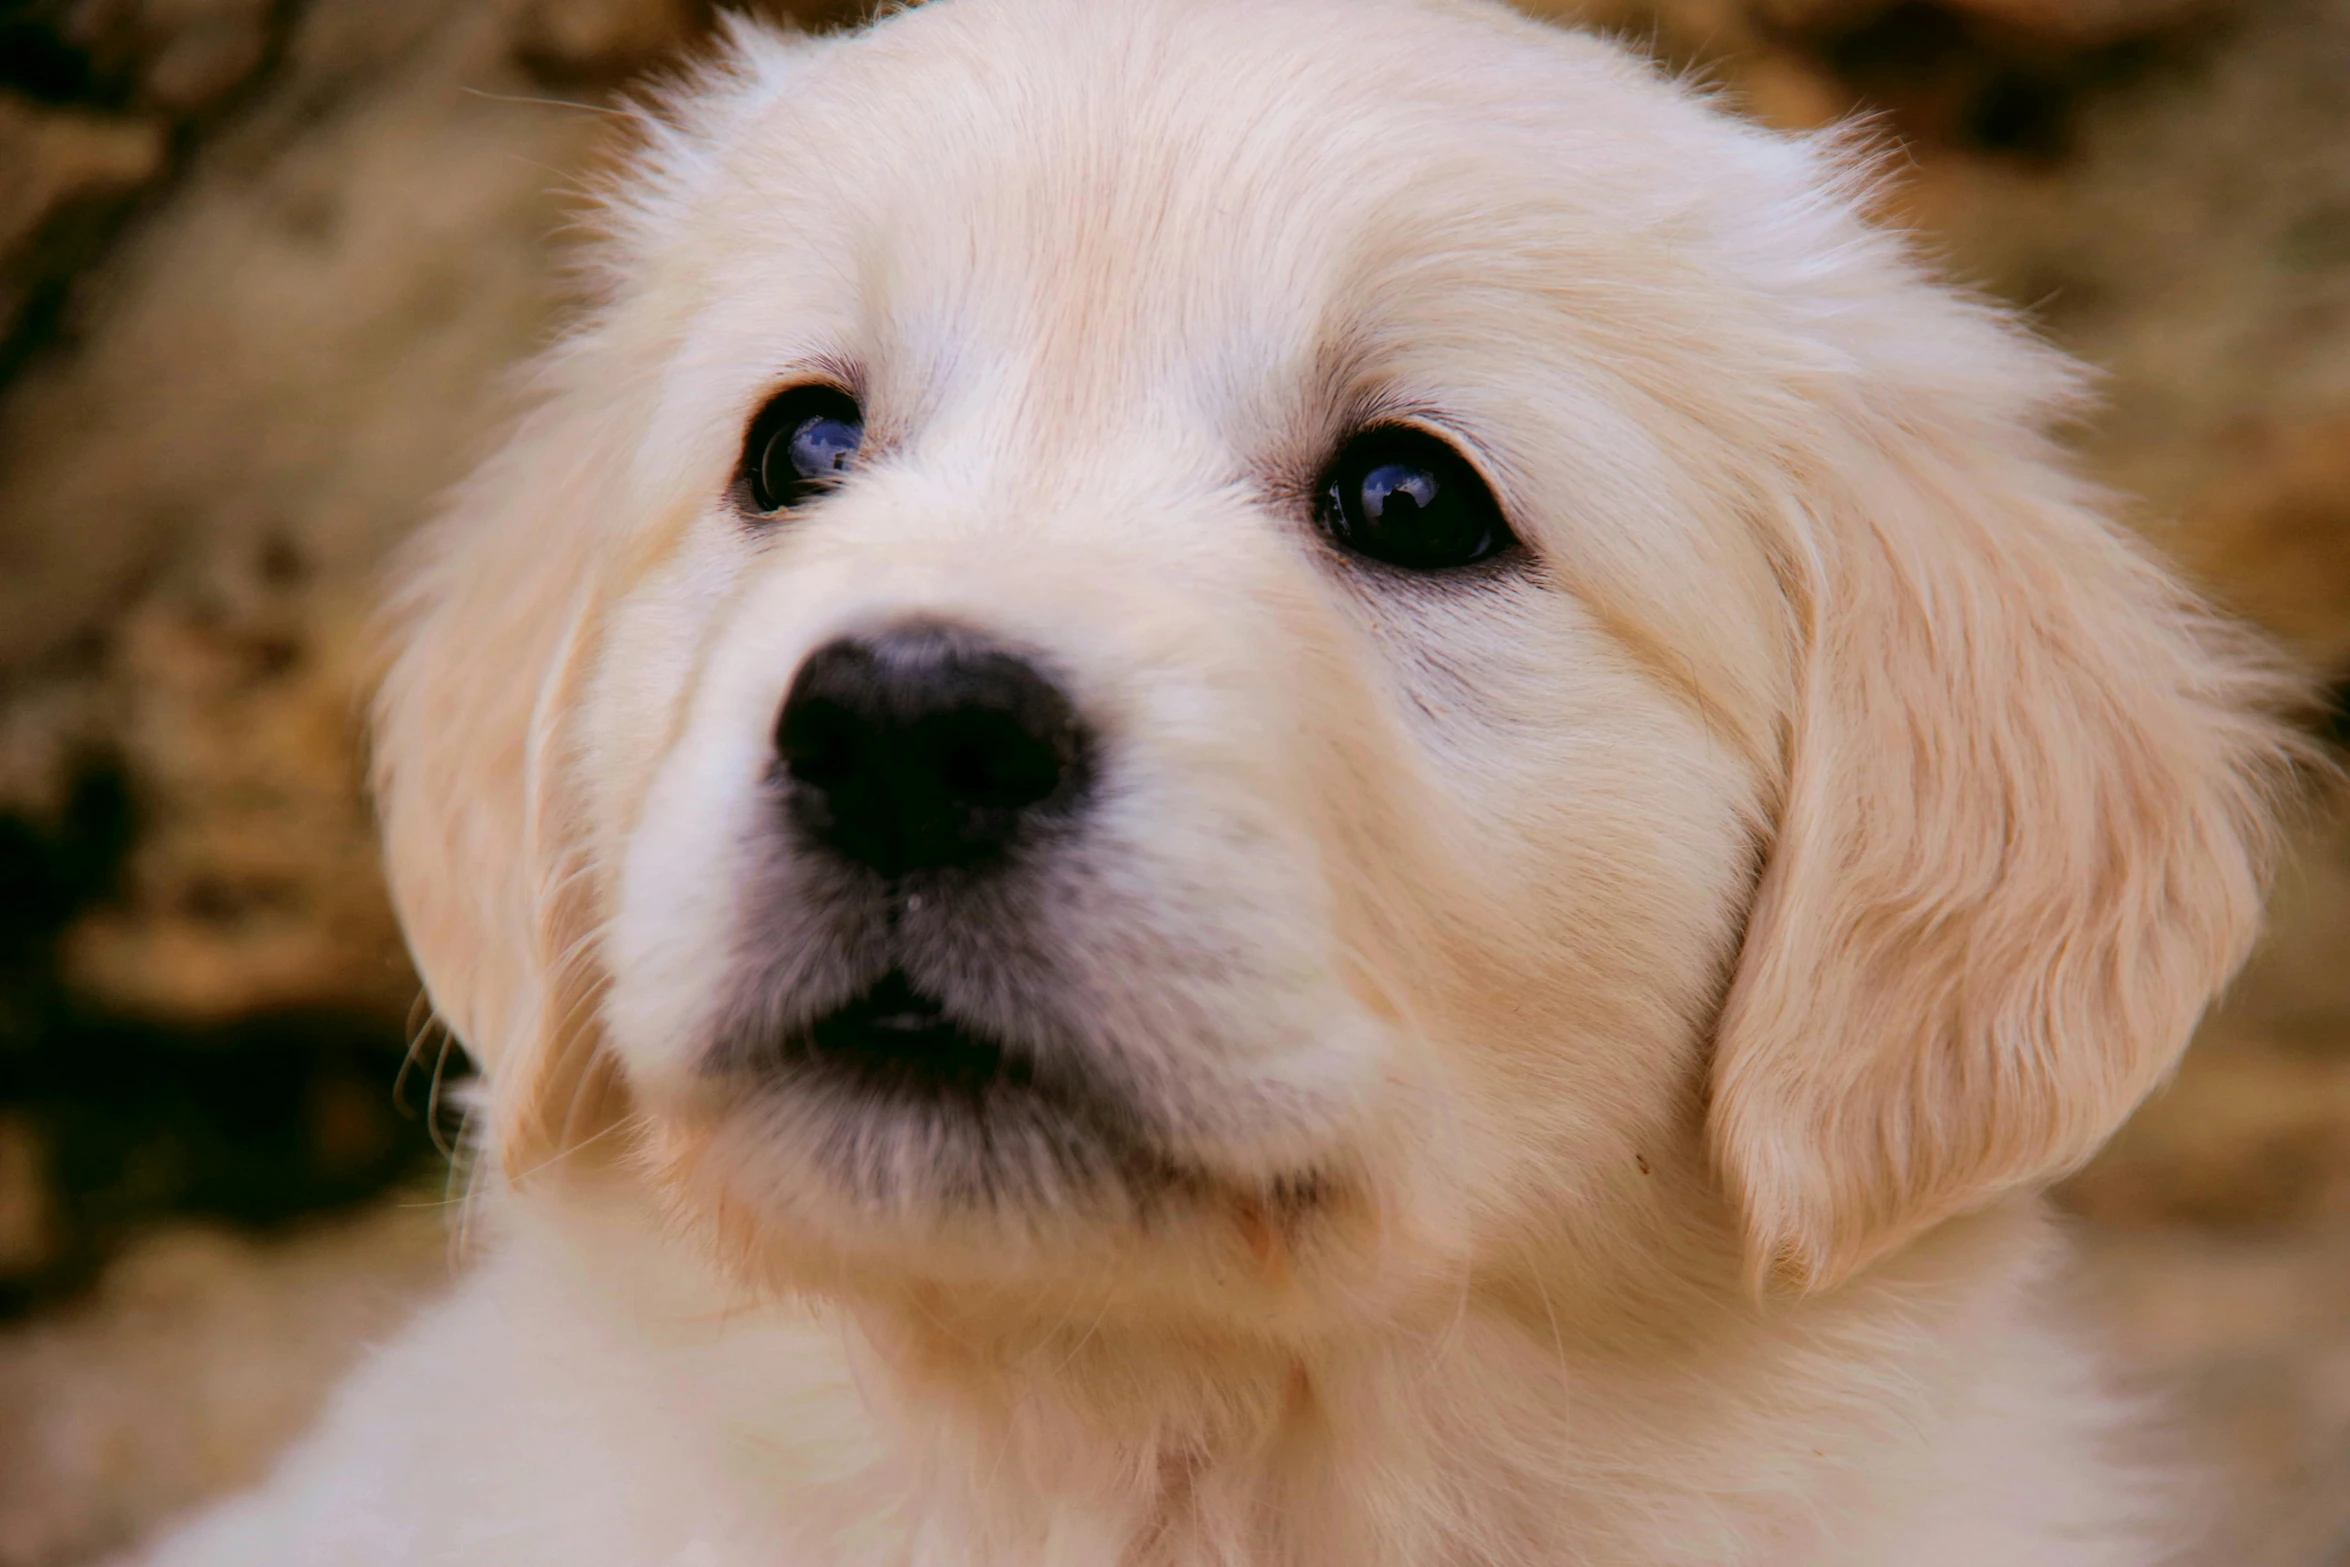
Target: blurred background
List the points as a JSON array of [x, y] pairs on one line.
[[262, 265]]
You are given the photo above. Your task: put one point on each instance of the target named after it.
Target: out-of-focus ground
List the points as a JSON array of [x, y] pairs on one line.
[[262, 263]]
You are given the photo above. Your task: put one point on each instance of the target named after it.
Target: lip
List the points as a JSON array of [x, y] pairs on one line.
[[898, 1042], [898, 1097]]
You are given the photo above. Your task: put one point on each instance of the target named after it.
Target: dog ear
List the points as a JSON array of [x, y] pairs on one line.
[[2026, 831], [491, 635], [481, 827]]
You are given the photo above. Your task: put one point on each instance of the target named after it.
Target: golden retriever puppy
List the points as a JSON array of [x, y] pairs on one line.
[[1266, 782]]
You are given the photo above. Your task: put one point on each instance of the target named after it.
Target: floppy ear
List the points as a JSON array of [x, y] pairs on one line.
[[2026, 832], [492, 633], [482, 832]]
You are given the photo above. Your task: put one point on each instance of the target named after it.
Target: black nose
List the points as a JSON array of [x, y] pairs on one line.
[[926, 744]]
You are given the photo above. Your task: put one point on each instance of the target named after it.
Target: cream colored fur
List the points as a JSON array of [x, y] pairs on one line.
[[1671, 966]]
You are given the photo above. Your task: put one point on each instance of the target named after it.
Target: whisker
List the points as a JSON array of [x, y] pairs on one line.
[[528, 100]]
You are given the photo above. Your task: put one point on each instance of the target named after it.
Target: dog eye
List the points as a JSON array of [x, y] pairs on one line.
[[1403, 496], [800, 443]]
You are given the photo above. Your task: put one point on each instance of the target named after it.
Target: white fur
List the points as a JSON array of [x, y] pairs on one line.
[[1670, 966]]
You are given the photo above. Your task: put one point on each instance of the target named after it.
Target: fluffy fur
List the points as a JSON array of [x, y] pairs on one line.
[[1587, 1034]]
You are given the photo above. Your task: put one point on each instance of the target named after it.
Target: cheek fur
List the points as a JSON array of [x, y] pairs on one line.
[[1542, 868], [655, 643]]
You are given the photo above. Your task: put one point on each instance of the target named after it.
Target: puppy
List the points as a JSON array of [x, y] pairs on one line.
[[1277, 782]]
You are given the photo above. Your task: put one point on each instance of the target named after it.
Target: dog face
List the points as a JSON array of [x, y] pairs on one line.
[[1270, 655], [1067, 812]]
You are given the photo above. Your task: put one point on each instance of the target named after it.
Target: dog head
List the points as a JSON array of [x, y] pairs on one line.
[[1266, 648]]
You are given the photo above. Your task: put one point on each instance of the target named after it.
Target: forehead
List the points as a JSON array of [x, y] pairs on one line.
[[1109, 192]]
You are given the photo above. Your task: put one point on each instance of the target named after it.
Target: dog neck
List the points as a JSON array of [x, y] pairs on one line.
[[1514, 1427], [1524, 1418], [1107, 1445]]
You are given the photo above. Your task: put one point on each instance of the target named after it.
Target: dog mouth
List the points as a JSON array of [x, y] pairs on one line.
[[900, 1096], [954, 1090], [897, 1042]]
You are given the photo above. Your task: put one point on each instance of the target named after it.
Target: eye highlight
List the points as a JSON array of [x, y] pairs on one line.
[[802, 443], [1403, 496]]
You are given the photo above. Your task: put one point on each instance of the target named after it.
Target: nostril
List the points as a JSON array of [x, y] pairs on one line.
[[992, 761], [817, 743], [926, 744]]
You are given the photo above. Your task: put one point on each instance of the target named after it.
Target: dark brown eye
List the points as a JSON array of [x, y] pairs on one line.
[[800, 444], [1403, 496]]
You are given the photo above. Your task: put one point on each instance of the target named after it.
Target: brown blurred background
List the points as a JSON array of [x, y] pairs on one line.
[[262, 263]]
